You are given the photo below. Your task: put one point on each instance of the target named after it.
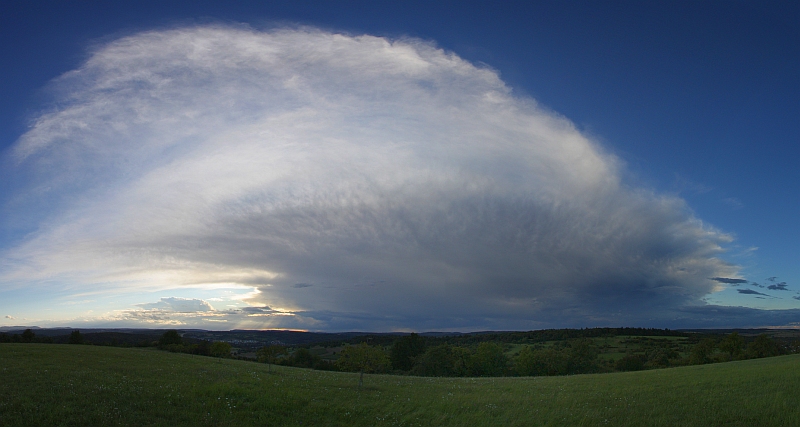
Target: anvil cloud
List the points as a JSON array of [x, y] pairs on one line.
[[356, 182]]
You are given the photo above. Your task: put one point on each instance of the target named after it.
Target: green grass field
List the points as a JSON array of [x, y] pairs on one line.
[[48, 385]]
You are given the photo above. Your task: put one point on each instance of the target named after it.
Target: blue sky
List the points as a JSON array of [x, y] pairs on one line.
[[371, 166]]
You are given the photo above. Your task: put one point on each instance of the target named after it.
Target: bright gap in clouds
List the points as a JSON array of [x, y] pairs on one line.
[[350, 183]]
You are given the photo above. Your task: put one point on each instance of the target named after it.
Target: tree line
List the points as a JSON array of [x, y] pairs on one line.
[[27, 336], [484, 355], [415, 355], [169, 341]]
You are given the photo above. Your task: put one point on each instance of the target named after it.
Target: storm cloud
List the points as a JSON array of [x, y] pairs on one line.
[[412, 188]]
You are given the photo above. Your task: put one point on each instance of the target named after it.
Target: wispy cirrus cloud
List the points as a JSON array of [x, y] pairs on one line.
[[410, 187]]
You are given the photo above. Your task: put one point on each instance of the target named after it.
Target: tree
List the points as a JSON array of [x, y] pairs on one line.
[[525, 363], [28, 335], [629, 362], [220, 349], [578, 356], [659, 357], [405, 350], [547, 361], [582, 356], [203, 348], [701, 352], [488, 360], [461, 359], [169, 338], [303, 358], [732, 344], [437, 361], [362, 358], [763, 346], [75, 337], [270, 354], [443, 361]]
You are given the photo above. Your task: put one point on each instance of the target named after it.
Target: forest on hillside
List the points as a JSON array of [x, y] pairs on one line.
[[488, 354]]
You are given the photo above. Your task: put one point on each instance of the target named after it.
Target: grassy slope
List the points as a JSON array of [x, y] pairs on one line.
[[85, 385]]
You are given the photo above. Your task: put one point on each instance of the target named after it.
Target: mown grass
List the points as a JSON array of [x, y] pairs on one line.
[[85, 385]]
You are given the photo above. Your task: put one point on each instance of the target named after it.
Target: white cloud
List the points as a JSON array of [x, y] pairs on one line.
[[197, 314], [410, 187], [180, 305]]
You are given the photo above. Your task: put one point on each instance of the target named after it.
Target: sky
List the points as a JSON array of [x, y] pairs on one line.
[[406, 166]]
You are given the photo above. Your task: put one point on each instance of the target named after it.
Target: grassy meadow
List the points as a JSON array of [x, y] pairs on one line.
[[91, 385]]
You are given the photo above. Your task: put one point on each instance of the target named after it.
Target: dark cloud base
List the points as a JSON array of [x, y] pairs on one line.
[[710, 316]]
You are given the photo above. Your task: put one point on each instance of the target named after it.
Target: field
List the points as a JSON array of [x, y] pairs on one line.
[[90, 385]]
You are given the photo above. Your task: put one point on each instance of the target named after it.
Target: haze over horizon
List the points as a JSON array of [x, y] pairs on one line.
[[274, 166]]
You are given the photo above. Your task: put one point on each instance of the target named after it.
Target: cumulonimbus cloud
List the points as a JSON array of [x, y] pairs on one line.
[[409, 186]]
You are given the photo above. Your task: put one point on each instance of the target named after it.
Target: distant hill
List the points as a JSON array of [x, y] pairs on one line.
[[252, 339]]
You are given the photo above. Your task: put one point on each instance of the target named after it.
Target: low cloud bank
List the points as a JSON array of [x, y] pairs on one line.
[[180, 305]]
